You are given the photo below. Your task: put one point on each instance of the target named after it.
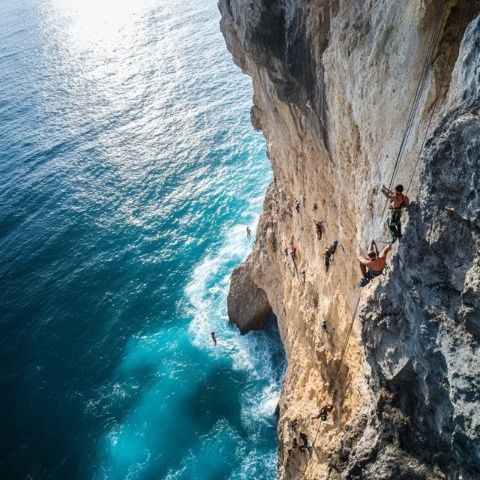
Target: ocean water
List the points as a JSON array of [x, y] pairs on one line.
[[129, 171]]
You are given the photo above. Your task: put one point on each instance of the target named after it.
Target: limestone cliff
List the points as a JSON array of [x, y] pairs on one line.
[[346, 92]]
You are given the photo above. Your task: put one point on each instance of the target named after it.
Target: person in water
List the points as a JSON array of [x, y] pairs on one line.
[[398, 201], [373, 264], [249, 233], [214, 338]]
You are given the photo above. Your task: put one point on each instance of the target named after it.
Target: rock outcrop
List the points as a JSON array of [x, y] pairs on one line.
[[248, 306], [351, 95]]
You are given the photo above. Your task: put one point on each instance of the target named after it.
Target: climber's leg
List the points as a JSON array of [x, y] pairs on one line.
[[394, 225], [399, 228], [364, 281], [363, 269]]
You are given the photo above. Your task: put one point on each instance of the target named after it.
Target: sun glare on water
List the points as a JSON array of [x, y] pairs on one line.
[[103, 53], [99, 23]]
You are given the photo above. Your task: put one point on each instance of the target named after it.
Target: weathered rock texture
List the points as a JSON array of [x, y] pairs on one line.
[[334, 83], [248, 305]]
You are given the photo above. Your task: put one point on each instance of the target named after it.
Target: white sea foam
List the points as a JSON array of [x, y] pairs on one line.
[[255, 353], [208, 287]]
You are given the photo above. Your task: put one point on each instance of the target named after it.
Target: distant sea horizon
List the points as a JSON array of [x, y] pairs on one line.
[[130, 172]]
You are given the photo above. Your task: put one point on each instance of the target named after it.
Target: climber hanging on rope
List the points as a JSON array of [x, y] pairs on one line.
[[397, 201], [373, 264], [323, 413]]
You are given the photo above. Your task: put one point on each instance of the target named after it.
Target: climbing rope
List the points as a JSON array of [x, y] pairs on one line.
[[412, 114], [350, 329], [434, 106], [418, 92], [413, 110], [337, 371]]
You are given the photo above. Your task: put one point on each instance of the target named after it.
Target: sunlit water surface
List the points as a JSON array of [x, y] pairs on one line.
[[129, 171]]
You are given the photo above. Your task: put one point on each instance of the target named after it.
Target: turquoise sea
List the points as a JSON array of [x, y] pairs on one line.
[[129, 171]]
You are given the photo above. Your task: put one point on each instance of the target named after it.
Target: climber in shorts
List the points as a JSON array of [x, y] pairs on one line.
[[323, 413], [373, 264], [398, 201]]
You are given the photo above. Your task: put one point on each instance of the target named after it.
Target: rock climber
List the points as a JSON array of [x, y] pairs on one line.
[[303, 275], [373, 264], [324, 411], [214, 338], [249, 233], [319, 228], [297, 206], [306, 445], [398, 201], [329, 252]]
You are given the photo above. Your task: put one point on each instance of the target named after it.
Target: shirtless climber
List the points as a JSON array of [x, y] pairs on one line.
[[328, 254], [319, 228], [324, 411], [397, 201], [373, 264]]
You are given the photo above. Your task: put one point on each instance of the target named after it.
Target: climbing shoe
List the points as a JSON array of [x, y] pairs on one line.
[[363, 282]]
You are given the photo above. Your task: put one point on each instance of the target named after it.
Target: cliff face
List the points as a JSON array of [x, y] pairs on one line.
[[335, 84]]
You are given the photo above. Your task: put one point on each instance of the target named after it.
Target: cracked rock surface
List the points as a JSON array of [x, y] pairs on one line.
[[334, 84]]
